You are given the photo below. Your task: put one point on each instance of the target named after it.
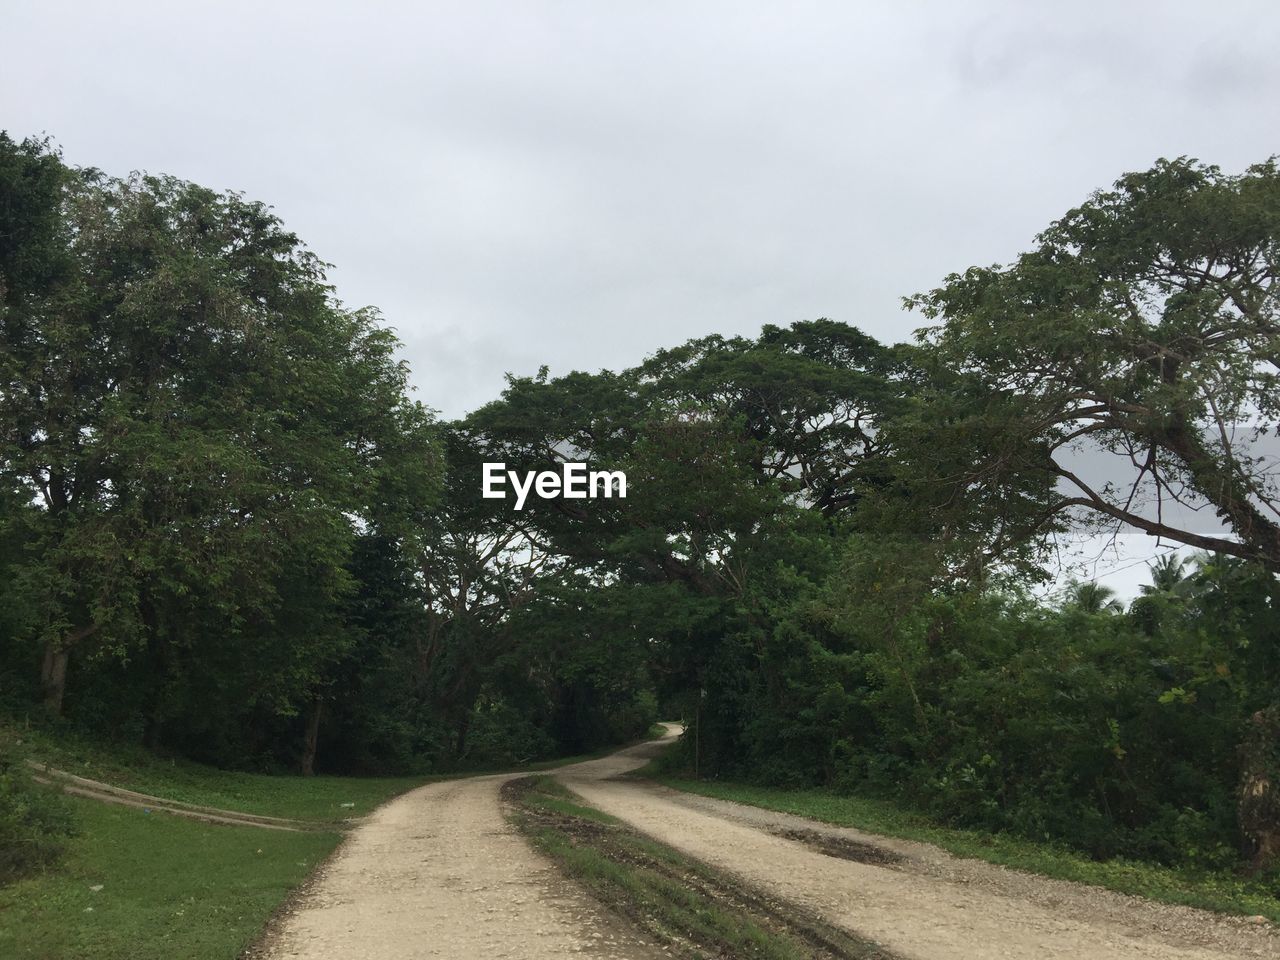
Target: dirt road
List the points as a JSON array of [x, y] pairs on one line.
[[439, 873], [926, 905]]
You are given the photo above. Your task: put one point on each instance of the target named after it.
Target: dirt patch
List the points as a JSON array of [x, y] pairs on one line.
[[842, 847]]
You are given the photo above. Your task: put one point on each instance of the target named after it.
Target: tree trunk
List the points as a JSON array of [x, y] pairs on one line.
[[152, 730], [160, 643], [313, 739], [53, 672], [460, 741], [53, 675], [697, 738], [1259, 798]]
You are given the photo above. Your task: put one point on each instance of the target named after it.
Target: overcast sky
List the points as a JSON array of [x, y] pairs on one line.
[[580, 183]]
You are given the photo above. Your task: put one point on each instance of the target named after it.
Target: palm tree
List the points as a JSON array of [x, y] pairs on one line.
[[1169, 575], [1092, 597]]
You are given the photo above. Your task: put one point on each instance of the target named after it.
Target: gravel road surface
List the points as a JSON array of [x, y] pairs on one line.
[[438, 872]]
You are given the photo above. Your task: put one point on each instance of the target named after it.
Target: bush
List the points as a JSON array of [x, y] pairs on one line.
[[34, 819], [1118, 734], [500, 735]]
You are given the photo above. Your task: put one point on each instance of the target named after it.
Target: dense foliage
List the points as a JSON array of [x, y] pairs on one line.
[[229, 532], [35, 819], [1116, 732]]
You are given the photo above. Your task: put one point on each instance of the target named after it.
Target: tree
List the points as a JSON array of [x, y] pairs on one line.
[[1092, 597], [201, 424], [476, 568], [1145, 324], [811, 401], [1168, 575], [744, 456]]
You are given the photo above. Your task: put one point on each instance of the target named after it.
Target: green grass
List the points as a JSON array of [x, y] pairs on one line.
[[319, 798], [694, 911], [554, 798], [1222, 891], [171, 888], [174, 888]]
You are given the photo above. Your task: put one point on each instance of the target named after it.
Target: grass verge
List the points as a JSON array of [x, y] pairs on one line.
[[1223, 891], [166, 887], [321, 798], [694, 911], [324, 799], [171, 887]]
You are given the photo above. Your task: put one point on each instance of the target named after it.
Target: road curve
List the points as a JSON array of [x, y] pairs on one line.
[[438, 872], [927, 905]]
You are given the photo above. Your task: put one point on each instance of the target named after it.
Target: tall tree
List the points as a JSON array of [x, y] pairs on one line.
[[1143, 324], [203, 426]]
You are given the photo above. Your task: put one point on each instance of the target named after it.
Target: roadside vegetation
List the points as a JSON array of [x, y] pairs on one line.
[[35, 822], [692, 910], [1114, 733]]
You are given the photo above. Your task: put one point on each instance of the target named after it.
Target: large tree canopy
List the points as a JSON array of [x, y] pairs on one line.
[[1145, 324], [195, 419]]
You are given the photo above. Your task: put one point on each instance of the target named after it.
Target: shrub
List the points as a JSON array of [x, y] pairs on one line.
[[35, 820]]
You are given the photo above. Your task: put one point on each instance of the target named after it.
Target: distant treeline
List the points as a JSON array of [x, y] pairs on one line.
[[229, 533]]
